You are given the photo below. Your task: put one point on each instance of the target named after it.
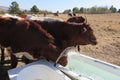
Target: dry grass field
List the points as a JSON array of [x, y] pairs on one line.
[[107, 30]]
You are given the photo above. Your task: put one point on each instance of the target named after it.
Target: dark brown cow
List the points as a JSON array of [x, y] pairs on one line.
[[55, 14], [45, 14], [74, 14], [70, 14], [76, 19], [68, 34], [24, 36]]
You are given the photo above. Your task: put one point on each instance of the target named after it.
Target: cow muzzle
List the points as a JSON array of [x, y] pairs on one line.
[[94, 42]]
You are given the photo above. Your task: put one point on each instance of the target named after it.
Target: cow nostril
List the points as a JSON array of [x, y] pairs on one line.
[[94, 42]]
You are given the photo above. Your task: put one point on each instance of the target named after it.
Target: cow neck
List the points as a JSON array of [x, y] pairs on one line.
[[43, 31]]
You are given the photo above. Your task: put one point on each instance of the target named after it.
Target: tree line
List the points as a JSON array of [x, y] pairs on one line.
[[93, 10], [14, 9]]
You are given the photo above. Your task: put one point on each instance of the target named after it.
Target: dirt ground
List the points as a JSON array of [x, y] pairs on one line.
[[107, 30]]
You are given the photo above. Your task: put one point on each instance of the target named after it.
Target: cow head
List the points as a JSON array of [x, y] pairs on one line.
[[83, 34], [89, 33]]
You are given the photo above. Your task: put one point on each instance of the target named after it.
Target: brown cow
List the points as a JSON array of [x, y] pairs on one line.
[[24, 36], [76, 19], [70, 14], [68, 34], [55, 14]]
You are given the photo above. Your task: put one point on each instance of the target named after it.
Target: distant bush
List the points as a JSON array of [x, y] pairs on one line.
[[96, 10], [67, 11]]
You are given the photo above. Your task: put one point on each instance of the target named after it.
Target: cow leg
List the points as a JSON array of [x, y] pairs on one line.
[[14, 61], [78, 48], [2, 57]]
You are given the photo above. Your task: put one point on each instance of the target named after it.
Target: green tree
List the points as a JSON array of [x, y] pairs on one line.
[[93, 10], [81, 10], [14, 8], [113, 9], [75, 10], [34, 9], [102, 10], [67, 11]]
